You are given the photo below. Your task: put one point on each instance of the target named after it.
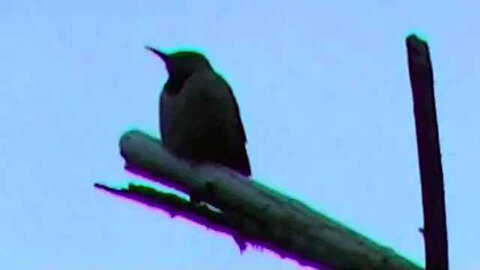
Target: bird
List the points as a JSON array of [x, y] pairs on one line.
[[198, 113]]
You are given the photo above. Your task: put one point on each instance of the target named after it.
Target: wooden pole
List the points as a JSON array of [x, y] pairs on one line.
[[435, 228]]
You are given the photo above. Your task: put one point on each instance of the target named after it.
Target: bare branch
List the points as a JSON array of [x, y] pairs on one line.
[[433, 195], [256, 214]]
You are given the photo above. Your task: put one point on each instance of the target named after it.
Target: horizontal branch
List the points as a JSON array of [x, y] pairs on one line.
[[177, 206], [255, 213]]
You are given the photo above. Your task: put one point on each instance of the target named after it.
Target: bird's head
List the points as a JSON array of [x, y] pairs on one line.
[[182, 64]]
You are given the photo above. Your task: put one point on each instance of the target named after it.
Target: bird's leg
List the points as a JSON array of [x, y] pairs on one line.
[[195, 199]]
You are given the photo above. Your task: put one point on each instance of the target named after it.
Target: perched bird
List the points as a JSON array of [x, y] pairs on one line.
[[199, 116]]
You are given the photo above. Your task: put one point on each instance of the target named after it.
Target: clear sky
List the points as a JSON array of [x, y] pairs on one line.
[[324, 96]]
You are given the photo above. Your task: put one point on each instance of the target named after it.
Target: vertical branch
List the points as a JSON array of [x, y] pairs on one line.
[[435, 228]]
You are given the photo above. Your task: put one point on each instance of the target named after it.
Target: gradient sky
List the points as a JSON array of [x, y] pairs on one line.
[[324, 96]]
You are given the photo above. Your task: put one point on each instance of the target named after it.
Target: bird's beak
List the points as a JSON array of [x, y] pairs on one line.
[[160, 54]]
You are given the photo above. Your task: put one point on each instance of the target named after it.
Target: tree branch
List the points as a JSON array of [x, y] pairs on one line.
[[250, 211], [433, 195]]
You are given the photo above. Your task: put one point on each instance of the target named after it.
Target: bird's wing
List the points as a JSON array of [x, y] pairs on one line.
[[236, 108], [237, 157], [163, 115]]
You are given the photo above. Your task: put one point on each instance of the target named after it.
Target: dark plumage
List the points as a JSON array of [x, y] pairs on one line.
[[199, 116]]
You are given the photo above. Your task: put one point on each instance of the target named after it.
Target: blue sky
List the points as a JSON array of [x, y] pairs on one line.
[[325, 100]]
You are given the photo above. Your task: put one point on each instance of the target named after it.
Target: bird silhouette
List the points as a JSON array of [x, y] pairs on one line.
[[199, 116]]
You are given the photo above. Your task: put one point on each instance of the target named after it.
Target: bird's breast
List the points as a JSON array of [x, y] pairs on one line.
[[203, 109]]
